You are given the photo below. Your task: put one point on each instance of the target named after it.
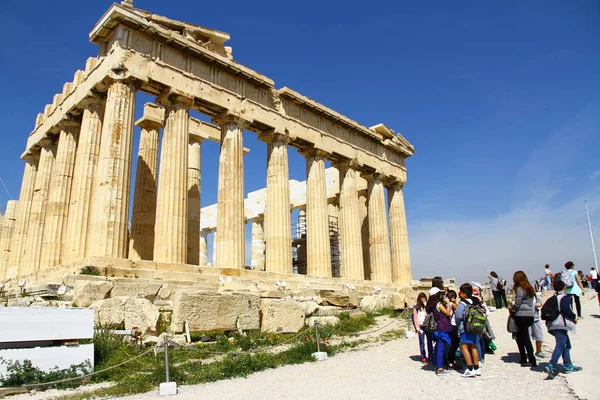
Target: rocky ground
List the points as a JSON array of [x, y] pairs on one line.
[[392, 371]]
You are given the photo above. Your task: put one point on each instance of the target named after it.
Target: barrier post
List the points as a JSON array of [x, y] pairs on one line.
[[167, 388], [319, 355]]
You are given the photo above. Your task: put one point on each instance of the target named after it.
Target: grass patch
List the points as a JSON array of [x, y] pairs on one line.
[[199, 364]]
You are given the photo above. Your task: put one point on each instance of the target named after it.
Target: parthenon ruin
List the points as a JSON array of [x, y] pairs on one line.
[[75, 203]]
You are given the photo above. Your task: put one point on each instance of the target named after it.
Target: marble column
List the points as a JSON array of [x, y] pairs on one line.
[[22, 214], [301, 249], [333, 220], [5, 238], [351, 243], [203, 261], [108, 235], [141, 241], [214, 248], [379, 241], [59, 196], [30, 259], [86, 163], [230, 208], [317, 224], [278, 226], [193, 191], [258, 245], [170, 244], [364, 232], [401, 272]]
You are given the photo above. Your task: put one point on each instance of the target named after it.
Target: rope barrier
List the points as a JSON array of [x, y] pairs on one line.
[[88, 375], [167, 342]]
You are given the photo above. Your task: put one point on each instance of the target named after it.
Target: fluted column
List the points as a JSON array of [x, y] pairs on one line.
[[108, 234], [23, 214], [333, 220], [30, 259], [5, 238], [379, 241], [59, 195], [278, 228], [258, 245], [230, 208], [141, 240], [364, 232], [214, 248], [401, 272], [193, 191], [350, 223], [317, 221], [170, 244], [86, 163], [203, 261]]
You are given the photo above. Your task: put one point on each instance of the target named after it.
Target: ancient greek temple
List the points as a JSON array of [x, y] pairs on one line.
[[75, 207]]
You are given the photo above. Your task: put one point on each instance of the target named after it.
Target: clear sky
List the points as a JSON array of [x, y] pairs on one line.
[[500, 99]]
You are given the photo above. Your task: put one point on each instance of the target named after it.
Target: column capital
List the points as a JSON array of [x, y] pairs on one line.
[[31, 157], [393, 182], [235, 117], [196, 141], [347, 163], [116, 76], [93, 101], [153, 117], [69, 125], [257, 219], [170, 99], [272, 136], [374, 175], [314, 151]]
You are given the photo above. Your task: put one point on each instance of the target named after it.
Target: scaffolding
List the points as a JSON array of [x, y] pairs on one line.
[[299, 258]]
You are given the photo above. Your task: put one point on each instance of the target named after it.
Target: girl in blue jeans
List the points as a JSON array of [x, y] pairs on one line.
[[418, 318], [441, 312], [560, 328]]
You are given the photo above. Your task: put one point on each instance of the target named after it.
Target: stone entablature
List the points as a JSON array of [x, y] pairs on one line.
[[87, 133]]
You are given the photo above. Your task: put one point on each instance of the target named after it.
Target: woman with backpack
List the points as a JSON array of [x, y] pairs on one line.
[[496, 285], [573, 284], [440, 309], [418, 319], [523, 312]]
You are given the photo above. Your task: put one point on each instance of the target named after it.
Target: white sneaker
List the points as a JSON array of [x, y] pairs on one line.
[[469, 374], [477, 371]]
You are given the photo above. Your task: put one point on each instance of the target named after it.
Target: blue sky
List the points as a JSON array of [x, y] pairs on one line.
[[501, 100]]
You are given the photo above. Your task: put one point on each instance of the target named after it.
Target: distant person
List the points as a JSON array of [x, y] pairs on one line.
[[598, 292], [548, 275], [575, 290], [523, 311], [582, 279], [468, 341], [496, 285], [418, 319], [441, 313], [594, 275], [503, 293], [560, 328]]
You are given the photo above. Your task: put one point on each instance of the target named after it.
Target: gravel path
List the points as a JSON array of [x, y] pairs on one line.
[[387, 371]]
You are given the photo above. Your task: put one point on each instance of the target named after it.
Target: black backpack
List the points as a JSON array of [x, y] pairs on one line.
[[550, 310]]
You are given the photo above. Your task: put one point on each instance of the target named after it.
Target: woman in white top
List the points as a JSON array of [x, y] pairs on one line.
[[418, 319]]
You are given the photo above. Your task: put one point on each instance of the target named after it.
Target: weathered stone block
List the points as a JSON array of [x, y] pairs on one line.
[[375, 302], [338, 299], [86, 292], [147, 290], [330, 320], [357, 314], [20, 302], [329, 311], [282, 316], [310, 307], [207, 311], [128, 312]]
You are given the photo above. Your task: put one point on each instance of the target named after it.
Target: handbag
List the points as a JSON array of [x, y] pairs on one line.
[[511, 326]]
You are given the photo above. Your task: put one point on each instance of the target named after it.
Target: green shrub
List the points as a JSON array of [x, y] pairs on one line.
[[24, 373], [90, 270]]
